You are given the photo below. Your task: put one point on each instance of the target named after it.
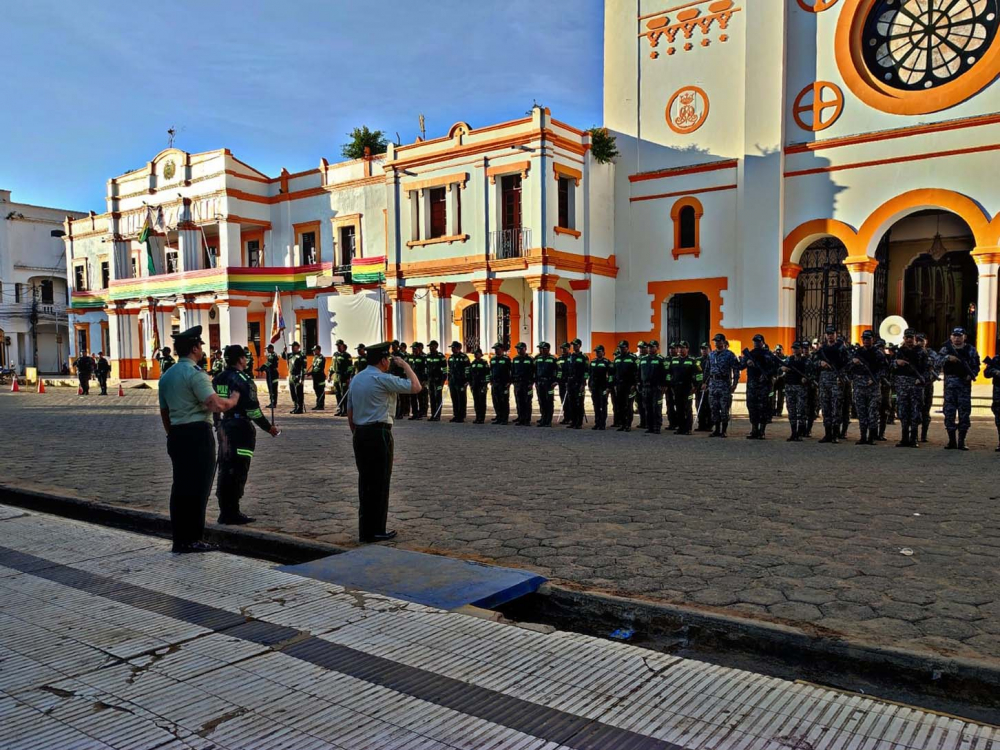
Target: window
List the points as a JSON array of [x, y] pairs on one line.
[[82, 341], [135, 266], [253, 334], [347, 239], [253, 253], [510, 188], [686, 214], [172, 262], [308, 334], [105, 274], [439, 212], [17, 292], [80, 276], [565, 203], [47, 295], [309, 248], [211, 256], [687, 227]]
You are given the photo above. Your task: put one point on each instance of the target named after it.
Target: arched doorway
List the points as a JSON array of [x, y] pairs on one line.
[[562, 325], [823, 290], [470, 326], [687, 319]]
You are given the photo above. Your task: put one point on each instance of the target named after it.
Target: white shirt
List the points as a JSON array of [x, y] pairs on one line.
[[373, 396]]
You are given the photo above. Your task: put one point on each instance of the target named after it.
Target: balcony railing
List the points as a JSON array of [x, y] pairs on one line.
[[509, 243]]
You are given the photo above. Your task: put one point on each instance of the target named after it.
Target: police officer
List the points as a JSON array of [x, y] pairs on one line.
[[165, 359], [908, 369], [361, 361], [85, 371], [778, 392], [522, 373], [404, 405], [625, 379], [565, 409], [187, 402], [546, 370], [249, 352], [218, 363], [761, 367], [341, 370], [812, 389], [575, 375], [886, 396], [930, 376], [703, 416], [318, 373], [668, 394], [418, 363], [831, 361], [866, 368], [103, 371], [993, 371], [684, 377], [797, 372], [500, 379], [437, 374], [458, 379], [296, 377], [236, 433], [723, 377], [960, 365], [270, 370], [601, 380], [652, 382], [479, 381]]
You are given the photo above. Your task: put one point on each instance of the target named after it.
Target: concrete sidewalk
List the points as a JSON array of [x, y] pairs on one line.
[[108, 640]]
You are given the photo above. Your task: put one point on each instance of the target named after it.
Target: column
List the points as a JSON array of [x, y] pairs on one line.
[[581, 293], [230, 251], [233, 324], [402, 313], [988, 262], [121, 259], [543, 309], [487, 289], [442, 294], [189, 249], [787, 300], [861, 268]]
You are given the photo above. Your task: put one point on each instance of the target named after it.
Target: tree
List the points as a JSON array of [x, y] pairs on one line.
[[603, 145], [360, 139]]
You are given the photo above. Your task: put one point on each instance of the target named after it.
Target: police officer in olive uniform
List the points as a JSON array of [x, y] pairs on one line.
[[236, 433], [684, 378], [960, 365], [522, 374], [866, 368], [908, 369], [404, 402], [601, 382], [575, 375], [248, 351], [418, 363], [761, 367], [479, 381], [166, 361], [653, 381], [218, 363], [625, 379], [361, 361], [437, 373], [500, 378], [270, 370], [723, 377], [703, 414], [566, 410], [296, 377], [640, 402], [318, 373], [341, 370], [458, 379], [546, 373]]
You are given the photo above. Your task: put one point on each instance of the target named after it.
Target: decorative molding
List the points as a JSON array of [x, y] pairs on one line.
[[447, 180], [810, 101], [675, 215], [579, 285], [678, 171], [687, 118], [790, 270], [570, 232], [521, 167], [687, 21], [487, 286], [860, 264], [438, 240], [546, 282], [561, 170]]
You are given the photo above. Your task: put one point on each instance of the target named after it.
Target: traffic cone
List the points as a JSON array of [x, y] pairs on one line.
[[41, 386], [121, 391], [14, 387]]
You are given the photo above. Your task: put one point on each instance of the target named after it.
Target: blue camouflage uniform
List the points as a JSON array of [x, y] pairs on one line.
[[958, 377], [723, 375]]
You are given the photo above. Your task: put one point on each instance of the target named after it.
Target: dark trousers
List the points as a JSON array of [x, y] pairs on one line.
[[501, 402], [421, 407], [85, 383], [704, 412], [640, 402], [319, 388], [681, 400], [653, 406], [574, 403], [340, 388], [298, 394], [435, 397], [672, 414], [546, 402], [373, 449], [479, 402], [522, 398], [102, 380], [928, 402], [566, 408], [191, 448], [272, 388], [237, 440], [459, 401], [599, 397], [623, 405]]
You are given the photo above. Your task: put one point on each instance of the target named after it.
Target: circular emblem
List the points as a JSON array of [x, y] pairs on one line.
[[816, 6], [169, 169], [918, 56], [687, 110], [818, 106]]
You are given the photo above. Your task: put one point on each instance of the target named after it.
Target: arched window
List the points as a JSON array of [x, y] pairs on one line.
[[686, 215]]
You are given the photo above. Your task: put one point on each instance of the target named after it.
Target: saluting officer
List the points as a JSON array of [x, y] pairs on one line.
[[418, 363], [437, 373], [458, 379], [575, 375], [296, 377], [479, 381], [341, 370], [318, 373], [960, 364], [500, 378], [237, 435], [601, 381], [626, 375], [522, 373], [545, 383], [684, 378], [561, 382], [640, 401], [653, 381], [867, 367]]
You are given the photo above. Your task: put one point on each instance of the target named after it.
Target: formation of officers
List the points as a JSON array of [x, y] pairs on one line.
[[826, 379]]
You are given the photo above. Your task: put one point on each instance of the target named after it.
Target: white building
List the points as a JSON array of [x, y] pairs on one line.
[[33, 296], [784, 166]]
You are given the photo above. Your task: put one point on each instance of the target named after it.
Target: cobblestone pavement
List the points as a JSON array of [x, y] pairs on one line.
[[803, 533]]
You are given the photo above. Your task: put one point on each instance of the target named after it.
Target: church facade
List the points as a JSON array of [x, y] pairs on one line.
[[783, 166]]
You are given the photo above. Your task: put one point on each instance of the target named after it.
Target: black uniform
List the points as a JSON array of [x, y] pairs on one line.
[[561, 382], [601, 381], [545, 384], [296, 380], [625, 382], [418, 363], [103, 371], [237, 438], [575, 376], [458, 379], [684, 378], [703, 415], [340, 373], [652, 379], [270, 370], [500, 376], [437, 373], [84, 371], [993, 372], [522, 373], [318, 372], [479, 380]]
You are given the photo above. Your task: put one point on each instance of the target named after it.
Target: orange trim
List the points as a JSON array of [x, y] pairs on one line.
[[245, 239], [242, 220], [546, 281], [570, 301], [894, 160], [915, 200], [986, 339], [875, 93], [514, 139], [532, 257], [561, 170], [675, 215], [701, 119], [472, 131], [681, 192], [570, 128], [438, 240], [678, 171], [487, 286], [860, 264], [790, 270], [818, 106], [270, 199], [401, 293], [303, 228], [232, 302], [712, 288], [446, 180], [234, 173], [570, 232], [986, 256], [884, 135], [509, 168], [579, 285], [443, 290], [805, 234]]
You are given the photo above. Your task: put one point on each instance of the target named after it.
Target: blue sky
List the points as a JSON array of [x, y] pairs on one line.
[[89, 89]]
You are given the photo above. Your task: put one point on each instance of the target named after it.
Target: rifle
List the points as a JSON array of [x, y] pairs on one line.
[[787, 363], [836, 371], [864, 364], [954, 353], [920, 378]]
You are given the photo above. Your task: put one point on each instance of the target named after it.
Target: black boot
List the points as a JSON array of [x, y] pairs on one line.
[[809, 428], [717, 432], [826, 435], [795, 434], [801, 433], [952, 445], [914, 433], [834, 433], [904, 439], [843, 431], [923, 433], [881, 431], [753, 431], [763, 429], [725, 427], [864, 437], [961, 440]]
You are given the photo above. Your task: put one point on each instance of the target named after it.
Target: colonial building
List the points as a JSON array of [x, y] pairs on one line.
[[783, 166], [33, 295]]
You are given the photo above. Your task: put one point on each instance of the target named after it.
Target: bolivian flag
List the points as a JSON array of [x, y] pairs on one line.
[[368, 270]]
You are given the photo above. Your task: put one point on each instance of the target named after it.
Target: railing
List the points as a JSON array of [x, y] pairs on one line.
[[509, 243]]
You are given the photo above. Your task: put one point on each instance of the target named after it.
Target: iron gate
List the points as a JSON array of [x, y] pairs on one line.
[[470, 326], [823, 291], [880, 279]]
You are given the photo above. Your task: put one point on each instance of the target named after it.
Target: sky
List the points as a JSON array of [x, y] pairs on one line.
[[90, 89]]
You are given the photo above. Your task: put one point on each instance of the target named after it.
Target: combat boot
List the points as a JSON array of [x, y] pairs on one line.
[[763, 429], [904, 438], [725, 428], [961, 440], [923, 433], [952, 444], [809, 428], [864, 438], [717, 432], [753, 431], [795, 434], [913, 436], [826, 435]]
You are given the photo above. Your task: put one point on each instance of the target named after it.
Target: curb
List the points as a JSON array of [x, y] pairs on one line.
[[705, 630]]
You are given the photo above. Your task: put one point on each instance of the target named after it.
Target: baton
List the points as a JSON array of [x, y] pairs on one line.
[[440, 404], [562, 404]]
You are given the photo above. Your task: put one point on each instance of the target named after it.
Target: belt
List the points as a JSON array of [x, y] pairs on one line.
[[373, 425]]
